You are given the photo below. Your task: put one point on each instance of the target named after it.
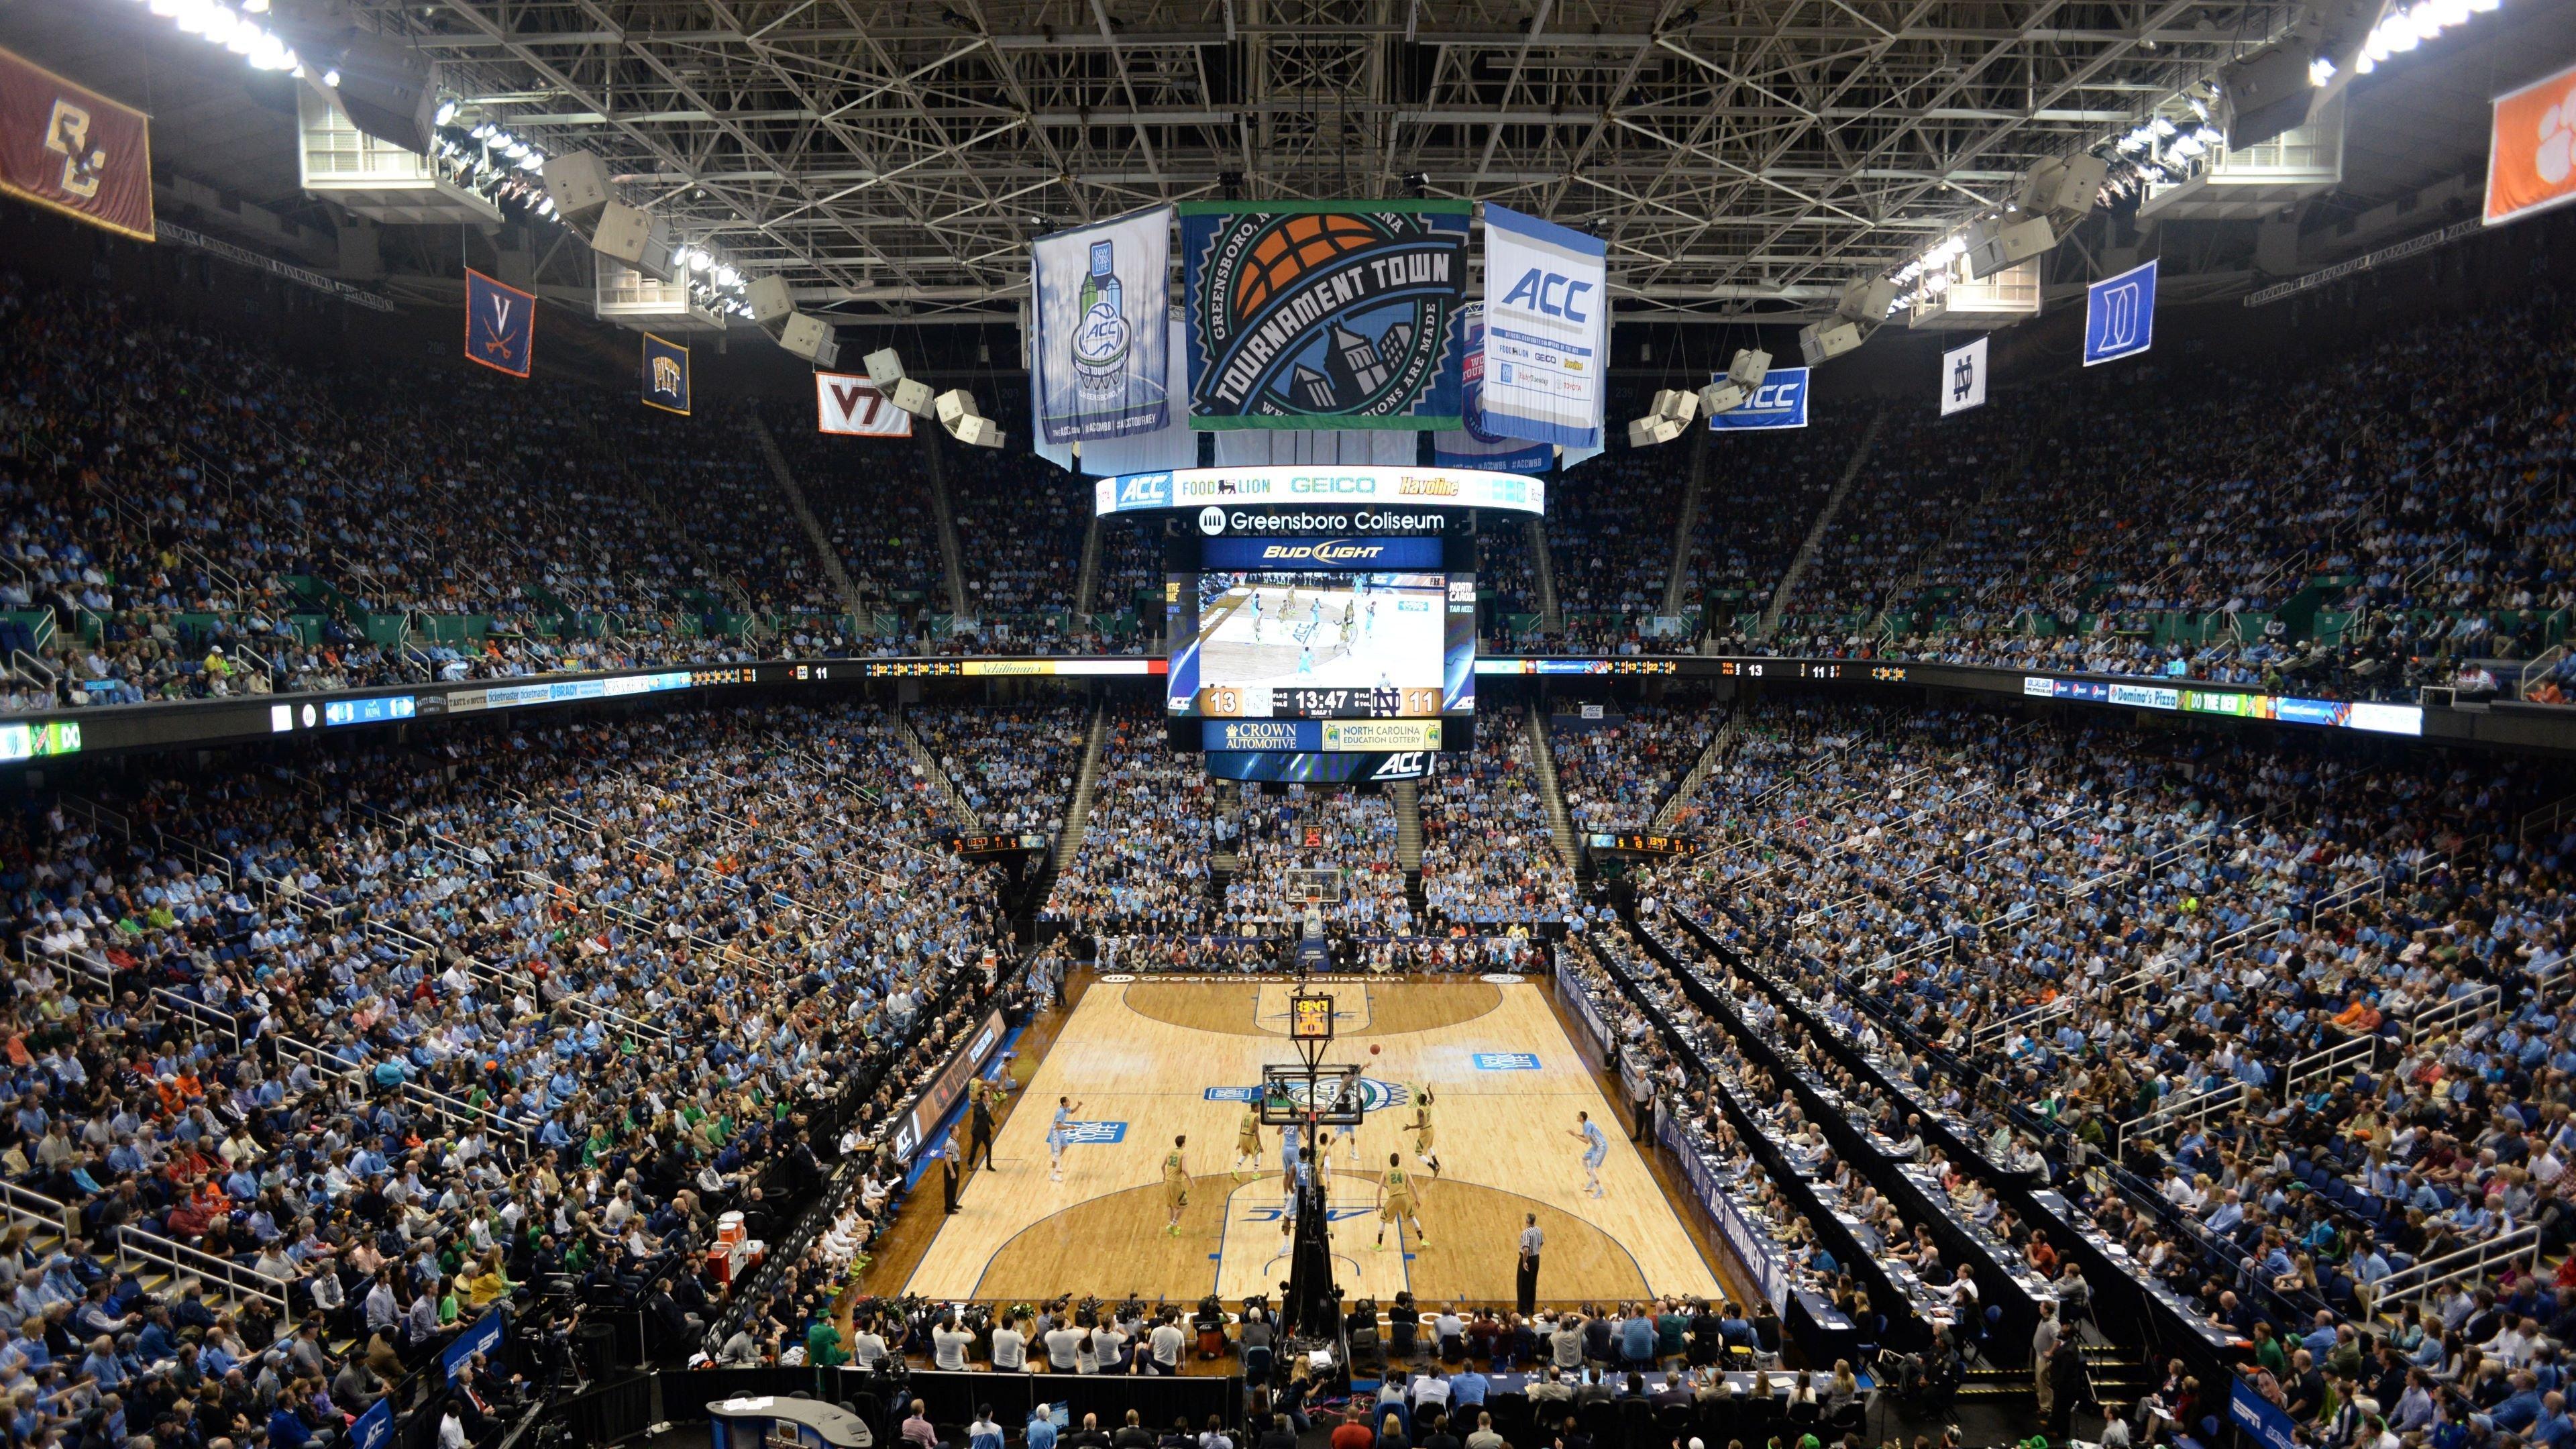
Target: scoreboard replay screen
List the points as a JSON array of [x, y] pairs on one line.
[[1321, 614]]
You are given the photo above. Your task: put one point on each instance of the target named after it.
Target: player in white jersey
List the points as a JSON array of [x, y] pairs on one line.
[[1596, 1150], [1059, 1132]]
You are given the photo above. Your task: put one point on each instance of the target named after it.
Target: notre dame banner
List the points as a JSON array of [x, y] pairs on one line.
[[1333, 314]]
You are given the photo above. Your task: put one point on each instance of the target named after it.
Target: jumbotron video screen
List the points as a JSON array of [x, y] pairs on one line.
[[1320, 645]]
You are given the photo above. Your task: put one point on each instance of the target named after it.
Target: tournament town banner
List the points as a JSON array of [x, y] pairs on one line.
[[1096, 362], [1324, 314], [69, 149], [1477, 445], [1547, 329]]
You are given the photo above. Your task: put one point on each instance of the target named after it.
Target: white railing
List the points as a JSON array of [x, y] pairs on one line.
[[2419, 1282], [2183, 1111], [39, 1212], [184, 1262], [2335, 1061], [2444, 1015]]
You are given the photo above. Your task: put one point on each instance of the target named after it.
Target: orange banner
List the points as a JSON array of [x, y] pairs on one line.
[[2531, 157], [70, 149]]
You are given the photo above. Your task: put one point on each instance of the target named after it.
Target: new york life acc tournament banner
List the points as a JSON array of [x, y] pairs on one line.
[[1547, 329], [1096, 360], [2531, 157], [500, 324], [1324, 314], [69, 149], [1477, 445], [666, 375]]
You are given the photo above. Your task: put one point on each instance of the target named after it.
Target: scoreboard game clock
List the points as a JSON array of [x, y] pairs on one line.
[[1310, 1017], [1642, 843]]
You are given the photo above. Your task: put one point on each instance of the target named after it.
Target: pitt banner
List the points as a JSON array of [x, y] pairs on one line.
[[1324, 314], [70, 149], [2531, 157], [666, 375], [500, 324], [1096, 361]]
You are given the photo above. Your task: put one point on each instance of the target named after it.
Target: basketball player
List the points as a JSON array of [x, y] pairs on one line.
[[1395, 1204], [1324, 1161], [1059, 1133], [1176, 1185], [1306, 657], [1422, 1129], [1368, 624], [1288, 1157], [1247, 1143], [1256, 616], [1596, 1150]]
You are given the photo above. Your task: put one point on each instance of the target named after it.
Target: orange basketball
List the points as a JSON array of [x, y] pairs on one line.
[[1295, 245]]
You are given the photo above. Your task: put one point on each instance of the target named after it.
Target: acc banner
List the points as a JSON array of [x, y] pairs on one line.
[[2120, 315], [500, 325], [69, 149], [1477, 445], [1963, 378], [849, 404], [1547, 313], [1780, 402], [1324, 314], [1172, 445], [1096, 359], [2531, 155], [666, 375]]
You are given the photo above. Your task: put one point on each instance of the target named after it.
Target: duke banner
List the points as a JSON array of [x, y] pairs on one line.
[[1096, 356], [849, 404], [69, 149], [2120, 315], [1547, 315], [1477, 445], [1780, 402], [1963, 378], [666, 375], [500, 325], [1325, 314]]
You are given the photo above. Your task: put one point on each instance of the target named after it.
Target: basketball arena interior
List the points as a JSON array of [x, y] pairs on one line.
[[1288, 724]]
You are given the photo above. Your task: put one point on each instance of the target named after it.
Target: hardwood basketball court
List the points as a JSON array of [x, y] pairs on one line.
[[1148, 1058]]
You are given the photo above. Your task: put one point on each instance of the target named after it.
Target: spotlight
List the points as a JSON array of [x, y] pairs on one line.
[[446, 112], [331, 78]]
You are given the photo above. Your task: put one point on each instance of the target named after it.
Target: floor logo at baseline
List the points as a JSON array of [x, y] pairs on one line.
[[1275, 1211], [1095, 1134], [1506, 1061]]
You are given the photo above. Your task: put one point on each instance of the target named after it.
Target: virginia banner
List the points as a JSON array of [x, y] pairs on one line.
[[1477, 445], [1547, 317], [1096, 363], [2120, 315], [500, 325], [69, 149], [1326, 314], [666, 375]]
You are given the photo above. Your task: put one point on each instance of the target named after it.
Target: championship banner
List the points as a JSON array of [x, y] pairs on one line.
[[1963, 378], [1547, 309], [69, 149], [2531, 153], [1096, 356], [1477, 445], [1780, 402], [1324, 314], [666, 375], [1172, 445], [500, 325], [850, 405], [2120, 315]]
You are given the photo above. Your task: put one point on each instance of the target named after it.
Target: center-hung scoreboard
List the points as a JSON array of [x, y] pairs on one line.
[[1321, 619]]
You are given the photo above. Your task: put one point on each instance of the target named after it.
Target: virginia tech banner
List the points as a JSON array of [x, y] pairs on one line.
[[1096, 353], [1328, 314], [72, 150]]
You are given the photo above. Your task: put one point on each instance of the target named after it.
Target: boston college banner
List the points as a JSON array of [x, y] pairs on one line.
[[72, 150]]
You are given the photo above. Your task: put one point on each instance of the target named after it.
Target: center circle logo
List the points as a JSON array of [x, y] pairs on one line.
[[1211, 520]]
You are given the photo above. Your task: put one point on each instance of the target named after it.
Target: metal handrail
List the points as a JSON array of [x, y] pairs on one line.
[[184, 1261], [2418, 1281]]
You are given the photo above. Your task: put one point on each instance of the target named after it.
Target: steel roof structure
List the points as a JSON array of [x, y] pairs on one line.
[[1741, 158]]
